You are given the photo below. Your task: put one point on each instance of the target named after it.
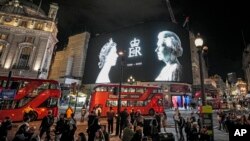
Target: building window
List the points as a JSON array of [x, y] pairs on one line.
[[24, 24], [29, 39], [39, 26], [24, 58], [2, 47]]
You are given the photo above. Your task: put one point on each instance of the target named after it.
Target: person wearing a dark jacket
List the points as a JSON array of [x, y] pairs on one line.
[[194, 132], [59, 127], [22, 131], [31, 135], [181, 124], [124, 120], [47, 122], [138, 134], [72, 127], [93, 127], [5, 127], [65, 129]]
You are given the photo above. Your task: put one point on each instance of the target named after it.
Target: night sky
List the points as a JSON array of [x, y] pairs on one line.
[[224, 25]]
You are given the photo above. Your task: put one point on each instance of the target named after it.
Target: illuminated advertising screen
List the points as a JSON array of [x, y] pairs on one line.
[[154, 51]]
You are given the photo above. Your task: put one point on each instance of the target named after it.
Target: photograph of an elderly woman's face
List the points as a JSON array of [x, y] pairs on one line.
[[168, 50], [107, 58]]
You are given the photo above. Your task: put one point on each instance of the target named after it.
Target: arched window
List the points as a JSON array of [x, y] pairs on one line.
[[24, 58]]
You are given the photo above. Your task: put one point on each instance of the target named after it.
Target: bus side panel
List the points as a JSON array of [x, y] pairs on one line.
[[99, 98], [14, 114]]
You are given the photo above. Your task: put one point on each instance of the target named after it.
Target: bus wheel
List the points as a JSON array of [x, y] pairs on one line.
[[151, 112], [33, 116]]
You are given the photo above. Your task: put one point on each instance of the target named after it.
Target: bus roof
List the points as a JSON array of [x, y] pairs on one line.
[[28, 79], [124, 86]]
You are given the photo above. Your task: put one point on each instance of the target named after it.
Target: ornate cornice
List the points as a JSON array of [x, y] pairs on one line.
[[24, 30]]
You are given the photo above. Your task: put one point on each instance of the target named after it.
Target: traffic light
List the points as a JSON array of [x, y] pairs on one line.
[[115, 91]]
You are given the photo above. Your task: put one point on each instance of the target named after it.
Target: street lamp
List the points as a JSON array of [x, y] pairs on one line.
[[131, 80], [121, 54], [199, 45]]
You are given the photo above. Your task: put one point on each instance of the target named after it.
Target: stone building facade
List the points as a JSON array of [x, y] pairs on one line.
[[27, 38], [195, 62], [68, 64]]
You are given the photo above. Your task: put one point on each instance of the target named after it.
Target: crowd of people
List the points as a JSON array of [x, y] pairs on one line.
[[133, 126], [229, 119], [64, 129]]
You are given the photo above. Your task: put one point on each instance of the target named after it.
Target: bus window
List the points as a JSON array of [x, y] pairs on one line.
[[145, 103], [101, 89], [160, 90], [140, 90], [52, 102], [132, 103], [110, 103], [132, 90], [3, 83], [23, 101], [23, 84], [34, 93], [124, 90], [110, 89], [124, 103], [154, 91], [7, 104], [44, 86], [139, 103], [53, 86]]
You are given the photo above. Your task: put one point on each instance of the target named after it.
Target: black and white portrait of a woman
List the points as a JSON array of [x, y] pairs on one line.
[[168, 50], [107, 58]]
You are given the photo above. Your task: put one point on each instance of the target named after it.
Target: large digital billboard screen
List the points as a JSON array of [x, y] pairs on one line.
[[155, 51]]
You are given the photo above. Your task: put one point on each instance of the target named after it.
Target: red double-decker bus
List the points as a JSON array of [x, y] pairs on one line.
[[18, 94], [147, 99]]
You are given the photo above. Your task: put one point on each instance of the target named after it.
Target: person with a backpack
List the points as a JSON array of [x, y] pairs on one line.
[[181, 124], [47, 122]]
